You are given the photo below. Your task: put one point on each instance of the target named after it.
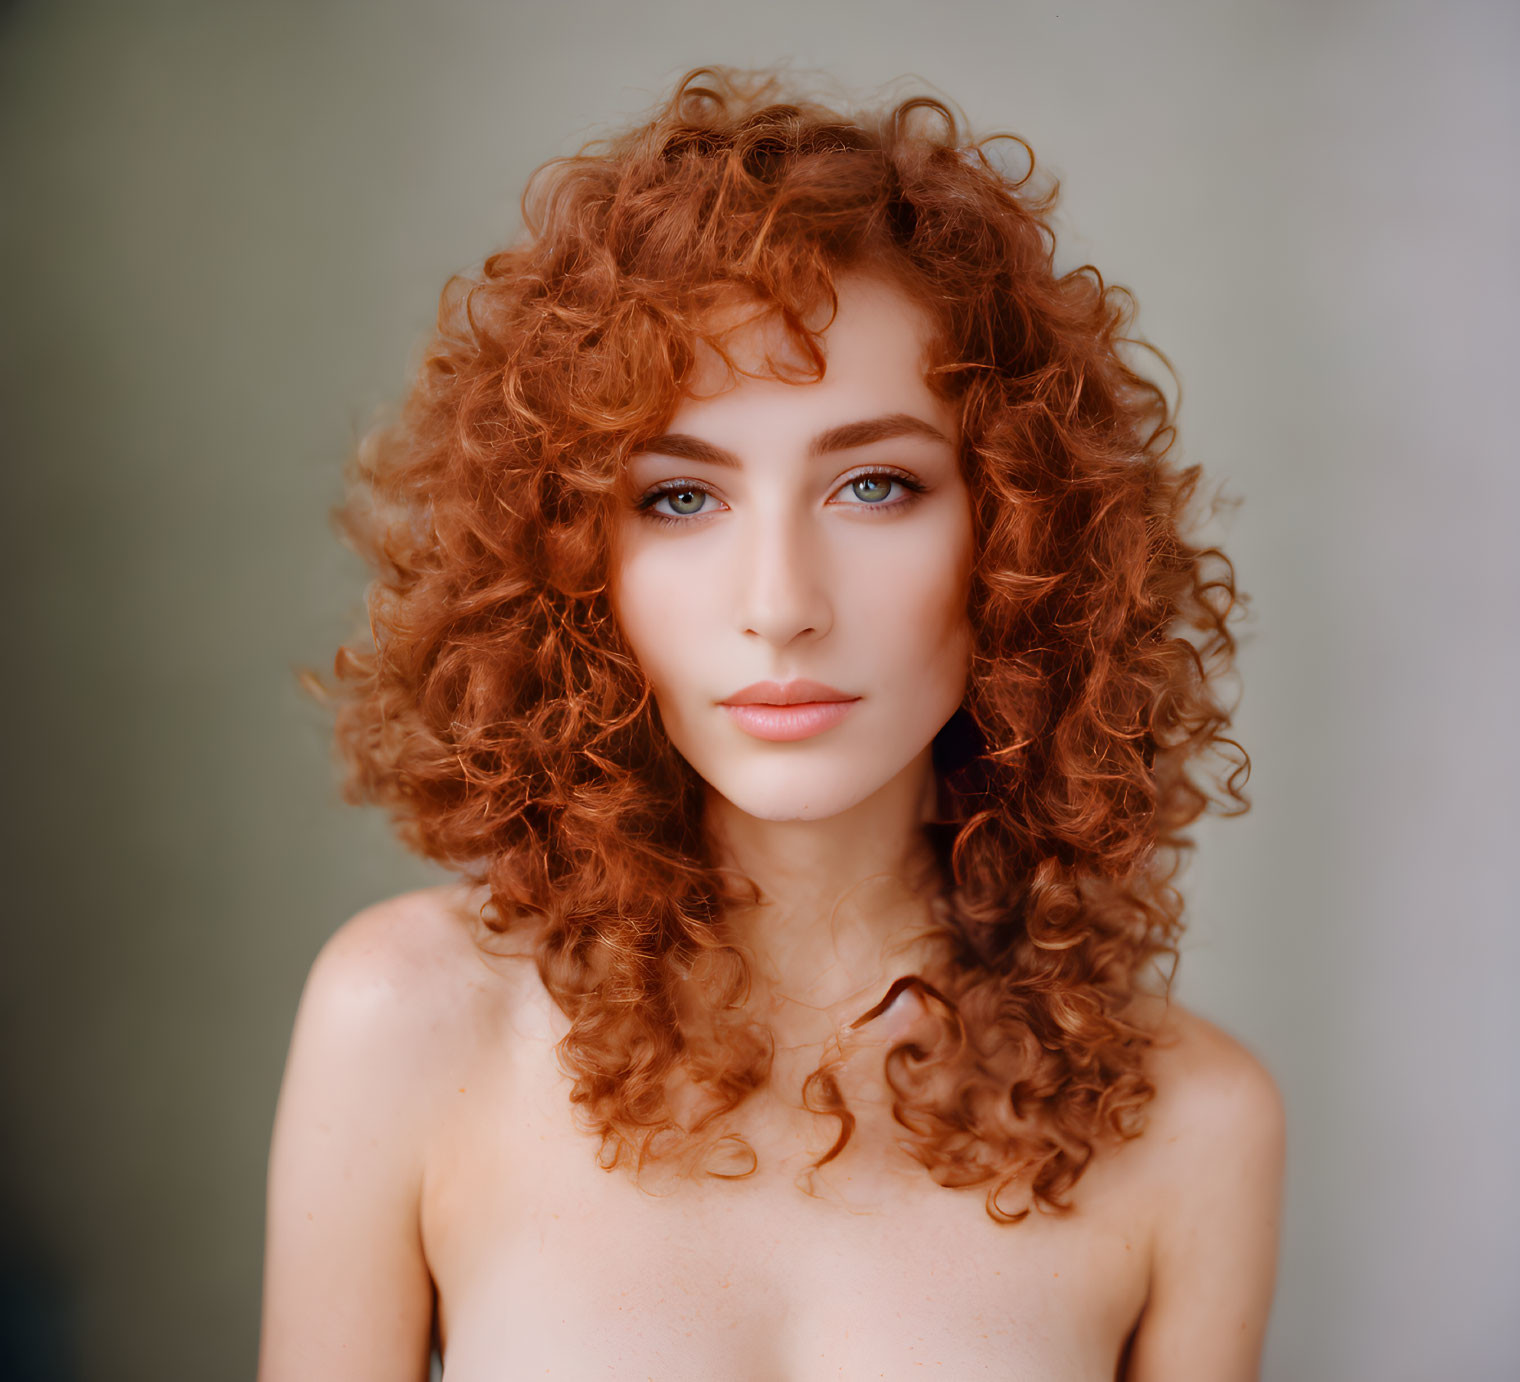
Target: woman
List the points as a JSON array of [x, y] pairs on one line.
[[785, 628]]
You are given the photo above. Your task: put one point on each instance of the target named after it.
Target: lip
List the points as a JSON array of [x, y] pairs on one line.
[[781, 723], [798, 692]]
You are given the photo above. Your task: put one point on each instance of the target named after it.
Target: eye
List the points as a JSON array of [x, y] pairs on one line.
[[880, 485], [686, 501], [872, 487]]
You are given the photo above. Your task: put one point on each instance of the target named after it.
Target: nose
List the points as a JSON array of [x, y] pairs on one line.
[[782, 578]]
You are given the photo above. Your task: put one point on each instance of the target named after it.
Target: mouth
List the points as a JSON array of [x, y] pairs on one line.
[[784, 711], [798, 692], [782, 723]]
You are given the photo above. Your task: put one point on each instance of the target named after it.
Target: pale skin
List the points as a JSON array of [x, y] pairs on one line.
[[424, 1159]]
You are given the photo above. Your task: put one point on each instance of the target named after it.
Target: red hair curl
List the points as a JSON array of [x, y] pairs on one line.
[[498, 713]]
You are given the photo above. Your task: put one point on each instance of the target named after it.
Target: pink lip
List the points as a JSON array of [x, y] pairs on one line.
[[781, 711], [798, 692], [780, 723]]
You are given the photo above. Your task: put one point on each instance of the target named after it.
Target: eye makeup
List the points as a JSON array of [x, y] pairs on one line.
[[913, 487]]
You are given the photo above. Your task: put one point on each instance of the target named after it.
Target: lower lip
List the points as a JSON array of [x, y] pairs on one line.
[[783, 722]]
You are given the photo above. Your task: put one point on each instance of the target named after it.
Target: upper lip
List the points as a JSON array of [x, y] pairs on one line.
[[799, 692]]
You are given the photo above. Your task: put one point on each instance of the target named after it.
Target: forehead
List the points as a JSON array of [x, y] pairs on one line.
[[875, 347]]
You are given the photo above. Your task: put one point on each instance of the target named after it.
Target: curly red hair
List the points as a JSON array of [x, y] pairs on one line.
[[496, 710]]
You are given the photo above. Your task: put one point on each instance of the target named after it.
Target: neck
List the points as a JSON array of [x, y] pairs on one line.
[[844, 900]]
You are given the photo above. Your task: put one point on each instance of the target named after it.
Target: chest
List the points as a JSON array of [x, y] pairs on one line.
[[547, 1265]]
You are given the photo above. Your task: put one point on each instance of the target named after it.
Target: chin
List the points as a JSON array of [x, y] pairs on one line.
[[795, 809], [787, 794]]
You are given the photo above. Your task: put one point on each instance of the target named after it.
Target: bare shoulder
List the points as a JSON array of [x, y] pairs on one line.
[[382, 1024], [421, 931], [403, 944], [1213, 1152], [1214, 1100], [398, 991], [1211, 1088]]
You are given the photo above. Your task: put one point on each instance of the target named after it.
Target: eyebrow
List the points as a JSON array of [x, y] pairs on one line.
[[681, 446]]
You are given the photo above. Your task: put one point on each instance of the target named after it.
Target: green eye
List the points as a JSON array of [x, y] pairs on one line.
[[680, 497], [689, 500], [872, 487], [685, 502]]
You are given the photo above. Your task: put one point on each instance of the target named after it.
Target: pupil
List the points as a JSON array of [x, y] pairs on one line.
[[881, 484]]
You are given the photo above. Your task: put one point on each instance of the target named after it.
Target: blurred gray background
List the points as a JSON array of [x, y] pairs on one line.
[[225, 228]]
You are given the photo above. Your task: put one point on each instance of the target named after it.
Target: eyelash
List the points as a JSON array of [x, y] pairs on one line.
[[646, 504]]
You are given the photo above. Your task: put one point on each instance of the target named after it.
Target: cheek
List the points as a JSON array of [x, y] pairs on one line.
[[917, 604], [652, 601]]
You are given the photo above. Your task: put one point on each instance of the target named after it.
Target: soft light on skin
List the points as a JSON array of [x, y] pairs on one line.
[[776, 567]]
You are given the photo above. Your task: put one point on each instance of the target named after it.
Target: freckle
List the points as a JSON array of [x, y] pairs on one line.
[[461, 1089], [308, 1214], [1055, 1274]]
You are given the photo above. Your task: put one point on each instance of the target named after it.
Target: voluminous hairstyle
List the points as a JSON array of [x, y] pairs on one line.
[[498, 713]]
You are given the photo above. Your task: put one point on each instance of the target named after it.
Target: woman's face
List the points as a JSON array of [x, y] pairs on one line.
[[816, 531]]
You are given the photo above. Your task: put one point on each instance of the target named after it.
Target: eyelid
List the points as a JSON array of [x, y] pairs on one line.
[[659, 491], [909, 482], [684, 484]]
